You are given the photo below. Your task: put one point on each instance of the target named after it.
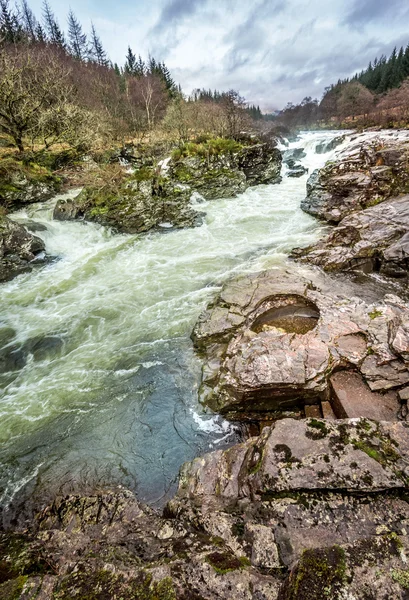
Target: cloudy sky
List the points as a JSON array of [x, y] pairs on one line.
[[272, 51]]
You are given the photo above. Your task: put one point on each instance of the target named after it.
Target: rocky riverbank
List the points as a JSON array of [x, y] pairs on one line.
[[365, 193], [310, 509]]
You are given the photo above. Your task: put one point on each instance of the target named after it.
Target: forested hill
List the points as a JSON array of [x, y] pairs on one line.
[[384, 74], [378, 95]]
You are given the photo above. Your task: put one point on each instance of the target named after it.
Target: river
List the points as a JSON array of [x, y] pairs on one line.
[[114, 402]]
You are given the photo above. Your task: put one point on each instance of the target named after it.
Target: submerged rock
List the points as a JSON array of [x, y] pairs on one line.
[[272, 340], [297, 171], [18, 249], [329, 145]]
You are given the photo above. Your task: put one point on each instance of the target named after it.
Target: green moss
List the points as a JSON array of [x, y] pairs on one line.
[[320, 573], [401, 576], [210, 147], [255, 460], [320, 430], [374, 314], [11, 590], [143, 174], [105, 585], [224, 562]]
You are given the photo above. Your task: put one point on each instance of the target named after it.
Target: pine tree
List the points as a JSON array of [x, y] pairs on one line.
[[55, 34], [140, 67], [130, 63], [96, 49], [40, 34], [78, 44], [10, 27], [405, 62], [29, 20]]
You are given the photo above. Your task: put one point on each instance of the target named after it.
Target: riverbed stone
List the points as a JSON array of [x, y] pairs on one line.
[[308, 503]]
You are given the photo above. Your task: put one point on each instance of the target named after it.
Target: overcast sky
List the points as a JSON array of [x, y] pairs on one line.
[[272, 51]]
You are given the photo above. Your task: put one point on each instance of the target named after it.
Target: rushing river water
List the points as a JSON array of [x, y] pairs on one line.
[[115, 401]]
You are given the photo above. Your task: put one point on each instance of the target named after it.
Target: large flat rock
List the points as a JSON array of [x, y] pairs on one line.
[[351, 397]]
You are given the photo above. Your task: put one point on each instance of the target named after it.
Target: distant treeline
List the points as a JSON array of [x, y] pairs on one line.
[[378, 95]]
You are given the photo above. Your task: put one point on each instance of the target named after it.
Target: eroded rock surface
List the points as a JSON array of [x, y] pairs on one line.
[[369, 170], [308, 507], [375, 239], [18, 249], [272, 341]]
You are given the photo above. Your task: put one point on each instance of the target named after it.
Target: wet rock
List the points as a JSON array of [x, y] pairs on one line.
[[329, 145], [18, 249], [136, 207], [366, 173], [25, 183], [272, 340], [297, 171], [352, 397], [375, 239], [260, 163], [307, 504], [293, 154]]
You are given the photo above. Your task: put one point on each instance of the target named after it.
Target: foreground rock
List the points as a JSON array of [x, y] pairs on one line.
[[307, 508], [155, 197], [375, 239], [25, 183], [19, 249], [370, 170], [271, 342]]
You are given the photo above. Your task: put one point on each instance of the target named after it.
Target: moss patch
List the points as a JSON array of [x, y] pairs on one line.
[[210, 147], [106, 585], [224, 562], [11, 590], [318, 429], [320, 573], [401, 576]]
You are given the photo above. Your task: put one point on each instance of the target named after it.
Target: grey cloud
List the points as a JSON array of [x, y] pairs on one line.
[[174, 11], [365, 11]]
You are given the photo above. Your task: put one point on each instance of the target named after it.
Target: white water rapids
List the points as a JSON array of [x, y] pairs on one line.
[[117, 402]]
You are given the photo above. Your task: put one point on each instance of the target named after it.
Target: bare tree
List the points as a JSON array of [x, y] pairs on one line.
[[32, 81]]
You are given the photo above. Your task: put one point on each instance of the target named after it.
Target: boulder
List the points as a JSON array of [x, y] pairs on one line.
[[293, 154], [374, 239], [136, 207], [260, 163], [367, 172], [22, 184], [272, 340], [18, 249], [297, 171], [329, 145]]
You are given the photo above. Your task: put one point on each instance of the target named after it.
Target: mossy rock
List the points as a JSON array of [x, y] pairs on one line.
[[320, 573], [106, 585]]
